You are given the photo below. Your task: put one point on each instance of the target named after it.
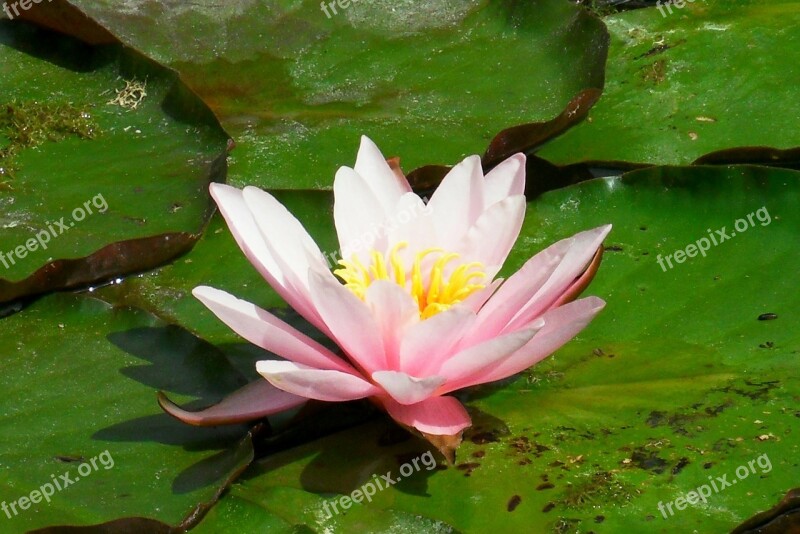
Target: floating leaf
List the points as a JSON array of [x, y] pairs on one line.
[[109, 161]]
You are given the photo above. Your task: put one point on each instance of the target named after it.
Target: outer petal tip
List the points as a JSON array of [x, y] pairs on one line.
[[519, 159], [440, 420], [199, 292], [366, 142], [220, 191], [255, 400], [580, 284]]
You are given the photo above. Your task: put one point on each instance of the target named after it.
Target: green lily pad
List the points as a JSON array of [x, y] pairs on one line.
[[706, 77], [106, 157], [432, 82], [687, 377], [677, 383], [80, 379]]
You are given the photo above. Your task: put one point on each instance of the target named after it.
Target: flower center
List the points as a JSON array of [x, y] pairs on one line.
[[432, 292]]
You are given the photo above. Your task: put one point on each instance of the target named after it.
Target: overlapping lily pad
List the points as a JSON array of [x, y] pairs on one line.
[[432, 81], [683, 82], [675, 382], [79, 378], [106, 162]]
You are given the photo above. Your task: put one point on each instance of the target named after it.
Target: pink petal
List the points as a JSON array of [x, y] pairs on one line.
[[360, 220], [255, 400], [516, 291], [262, 254], [386, 185], [261, 328], [293, 249], [469, 365], [324, 385], [427, 344], [281, 229], [490, 239], [439, 416], [241, 223], [505, 180], [572, 265], [394, 311], [582, 282], [245, 231], [560, 325], [527, 284], [350, 322], [457, 202], [407, 389]]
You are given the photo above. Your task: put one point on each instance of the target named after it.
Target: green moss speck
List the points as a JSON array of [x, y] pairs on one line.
[[600, 488], [30, 124]]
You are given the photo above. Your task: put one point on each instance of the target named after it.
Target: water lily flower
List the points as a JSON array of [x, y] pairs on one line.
[[418, 312]]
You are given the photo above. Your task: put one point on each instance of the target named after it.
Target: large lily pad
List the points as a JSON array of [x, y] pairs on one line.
[[111, 180], [431, 81], [675, 382], [80, 378], [709, 76]]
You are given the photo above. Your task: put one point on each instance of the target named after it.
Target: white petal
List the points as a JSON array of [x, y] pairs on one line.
[[411, 222], [261, 254], [283, 232], [457, 202], [360, 220], [244, 229], [505, 180], [493, 235], [387, 186]]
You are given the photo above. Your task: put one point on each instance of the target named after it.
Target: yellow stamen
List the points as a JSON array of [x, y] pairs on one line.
[[428, 286]]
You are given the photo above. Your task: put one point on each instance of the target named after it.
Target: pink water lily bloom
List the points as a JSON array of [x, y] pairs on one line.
[[414, 306]]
